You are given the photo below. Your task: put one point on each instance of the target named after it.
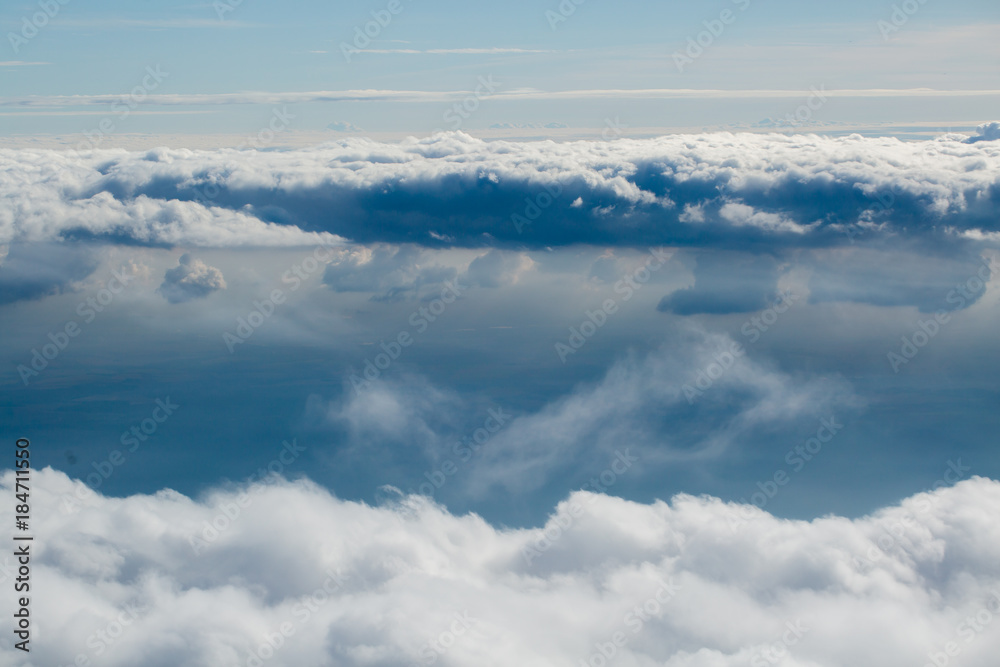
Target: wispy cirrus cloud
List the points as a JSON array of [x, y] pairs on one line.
[[120, 23], [519, 94], [467, 51]]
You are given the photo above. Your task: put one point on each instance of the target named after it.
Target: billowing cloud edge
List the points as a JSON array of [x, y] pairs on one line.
[[283, 573], [714, 190]]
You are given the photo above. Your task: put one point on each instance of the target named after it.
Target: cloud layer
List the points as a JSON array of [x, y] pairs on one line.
[[719, 190], [35, 271], [286, 574]]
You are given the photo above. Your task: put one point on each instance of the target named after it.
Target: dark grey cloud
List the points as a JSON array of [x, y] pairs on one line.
[[985, 132], [726, 283], [927, 282], [36, 270]]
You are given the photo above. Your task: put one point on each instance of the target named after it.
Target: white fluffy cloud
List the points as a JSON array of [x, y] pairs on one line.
[[681, 584], [452, 189], [190, 279]]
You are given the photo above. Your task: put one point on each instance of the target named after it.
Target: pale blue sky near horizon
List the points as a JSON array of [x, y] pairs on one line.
[[104, 48]]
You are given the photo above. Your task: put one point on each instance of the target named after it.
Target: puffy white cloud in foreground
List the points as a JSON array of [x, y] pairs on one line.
[[117, 582], [190, 279], [451, 189]]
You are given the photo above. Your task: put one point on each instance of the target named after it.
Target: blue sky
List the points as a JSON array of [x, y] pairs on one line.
[[103, 49]]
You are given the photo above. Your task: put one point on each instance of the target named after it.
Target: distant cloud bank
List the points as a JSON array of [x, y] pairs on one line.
[[713, 190]]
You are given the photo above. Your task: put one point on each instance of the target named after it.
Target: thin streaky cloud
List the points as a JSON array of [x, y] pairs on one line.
[[191, 112], [20, 63], [460, 51], [261, 97], [127, 24]]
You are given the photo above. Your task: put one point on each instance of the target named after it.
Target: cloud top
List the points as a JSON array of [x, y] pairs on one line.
[[190, 279], [718, 190], [286, 571]]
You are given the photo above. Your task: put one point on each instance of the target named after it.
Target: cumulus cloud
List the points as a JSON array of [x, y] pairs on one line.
[[391, 272], [497, 268], [726, 283], [986, 132], [718, 190], [190, 279], [36, 270], [288, 575]]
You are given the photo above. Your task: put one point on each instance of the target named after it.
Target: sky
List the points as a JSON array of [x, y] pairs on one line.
[[532, 333], [587, 52]]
